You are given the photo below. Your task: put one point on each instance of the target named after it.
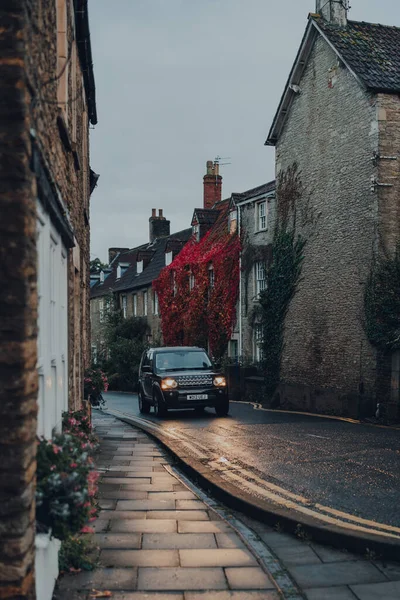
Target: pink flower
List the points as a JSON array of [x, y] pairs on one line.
[[73, 465], [92, 519], [87, 529], [56, 449], [52, 467]]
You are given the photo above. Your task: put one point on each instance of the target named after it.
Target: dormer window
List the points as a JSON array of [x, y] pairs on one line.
[[139, 267], [119, 272], [191, 281], [101, 276], [233, 221], [168, 258]]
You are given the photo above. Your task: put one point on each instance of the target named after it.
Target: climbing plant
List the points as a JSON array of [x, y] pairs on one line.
[[382, 304], [198, 308], [282, 276]]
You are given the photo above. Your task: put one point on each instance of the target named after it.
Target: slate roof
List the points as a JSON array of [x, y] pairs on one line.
[[131, 281], [205, 216], [102, 289], [372, 51], [265, 188]]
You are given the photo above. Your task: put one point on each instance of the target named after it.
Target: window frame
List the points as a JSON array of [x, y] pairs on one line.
[[262, 218], [260, 282]]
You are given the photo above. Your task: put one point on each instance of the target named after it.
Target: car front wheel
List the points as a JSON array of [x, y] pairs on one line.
[[144, 406], [160, 410]]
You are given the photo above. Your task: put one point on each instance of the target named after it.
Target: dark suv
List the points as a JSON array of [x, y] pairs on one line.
[[180, 377]]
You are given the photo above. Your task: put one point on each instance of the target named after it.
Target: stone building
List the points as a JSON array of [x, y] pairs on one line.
[[47, 102], [128, 281], [256, 217], [338, 123]]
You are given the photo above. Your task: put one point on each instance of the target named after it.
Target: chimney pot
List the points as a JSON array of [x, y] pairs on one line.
[[160, 213], [153, 212], [333, 11], [212, 185], [210, 167]]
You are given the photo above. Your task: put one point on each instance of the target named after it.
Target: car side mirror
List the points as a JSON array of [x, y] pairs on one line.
[[146, 369]]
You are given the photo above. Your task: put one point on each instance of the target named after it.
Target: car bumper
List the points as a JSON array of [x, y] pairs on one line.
[[184, 398]]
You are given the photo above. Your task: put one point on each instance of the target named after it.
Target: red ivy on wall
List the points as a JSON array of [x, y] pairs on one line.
[[205, 313]]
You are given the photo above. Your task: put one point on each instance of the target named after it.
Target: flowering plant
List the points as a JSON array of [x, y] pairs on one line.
[[66, 484], [198, 291], [78, 424], [95, 382]]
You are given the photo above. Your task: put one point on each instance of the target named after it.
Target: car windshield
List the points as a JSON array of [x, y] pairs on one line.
[[182, 361]]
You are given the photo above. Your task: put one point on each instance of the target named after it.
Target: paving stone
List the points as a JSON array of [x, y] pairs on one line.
[[328, 555], [276, 540], [190, 505], [178, 540], [124, 514], [336, 574], [335, 593], [179, 487], [141, 466], [220, 557], [139, 558], [229, 540], [146, 596], [159, 469], [232, 595], [100, 525], [181, 579], [70, 594], [122, 480], [391, 570], [101, 579], [132, 470], [148, 487], [248, 578], [179, 515], [144, 526], [203, 527], [297, 556], [118, 540], [146, 505], [382, 591], [107, 504], [119, 462], [172, 495], [124, 495], [160, 478]]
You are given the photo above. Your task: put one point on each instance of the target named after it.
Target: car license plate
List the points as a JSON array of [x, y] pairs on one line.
[[197, 397]]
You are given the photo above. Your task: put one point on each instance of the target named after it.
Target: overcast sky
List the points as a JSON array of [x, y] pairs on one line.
[[179, 82]]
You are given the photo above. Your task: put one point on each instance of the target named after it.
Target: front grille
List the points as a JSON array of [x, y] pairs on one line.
[[194, 380]]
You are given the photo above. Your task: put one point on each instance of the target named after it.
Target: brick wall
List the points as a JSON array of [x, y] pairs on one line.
[[331, 132]]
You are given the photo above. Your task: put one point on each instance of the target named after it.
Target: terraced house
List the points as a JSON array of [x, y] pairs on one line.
[[48, 101], [337, 125]]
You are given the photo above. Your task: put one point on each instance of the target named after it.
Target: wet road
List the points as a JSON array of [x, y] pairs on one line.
[[349, 467]]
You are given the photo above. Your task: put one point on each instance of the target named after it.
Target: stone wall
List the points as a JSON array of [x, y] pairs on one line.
[[331, 132], [18, 312], [30, 117]]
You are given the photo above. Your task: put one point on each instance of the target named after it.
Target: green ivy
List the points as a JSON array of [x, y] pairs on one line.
[[382, 304], [282, 278]]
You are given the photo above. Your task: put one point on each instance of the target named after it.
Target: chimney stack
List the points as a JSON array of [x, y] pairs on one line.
[[158, 225], [333, 11], [212, 184]]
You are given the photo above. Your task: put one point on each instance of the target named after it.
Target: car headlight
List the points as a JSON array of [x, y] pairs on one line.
[[219, 381], [168, 384]]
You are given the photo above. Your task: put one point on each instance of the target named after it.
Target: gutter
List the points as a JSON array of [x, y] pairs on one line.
[[85, 55]]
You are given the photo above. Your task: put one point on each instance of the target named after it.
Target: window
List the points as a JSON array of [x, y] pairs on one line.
[[145, 303], [233, 349], [196, 232], [173, 283], [261, 216], [261, 280], [233, 221], [135, 305], [101, 276], [155, 303], [94, 354], [124, 301], [101, 311], [119, 272], [192, 281], [168, 258], [258, 339], [139, 267], [211, 276]]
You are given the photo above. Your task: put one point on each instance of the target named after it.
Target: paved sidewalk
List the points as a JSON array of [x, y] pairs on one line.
[[157, 539]]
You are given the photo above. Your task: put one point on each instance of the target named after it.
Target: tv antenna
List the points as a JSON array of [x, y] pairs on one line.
[[217, 160]]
